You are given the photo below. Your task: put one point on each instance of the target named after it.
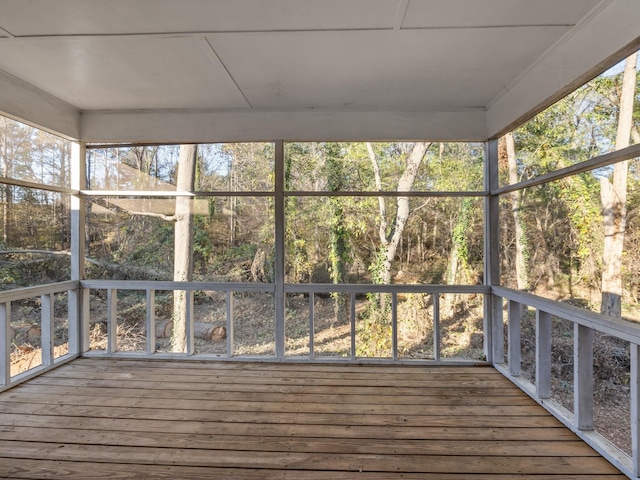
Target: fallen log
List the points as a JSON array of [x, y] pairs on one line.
[[164, 328], [202, 330], [209, 332]]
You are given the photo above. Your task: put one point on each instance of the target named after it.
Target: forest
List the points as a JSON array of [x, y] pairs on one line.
[[344, 219], [354, 212]]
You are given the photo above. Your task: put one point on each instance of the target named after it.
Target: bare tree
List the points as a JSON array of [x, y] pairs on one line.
[[522, 277], [183, 247], [613, 194], [389, 241]]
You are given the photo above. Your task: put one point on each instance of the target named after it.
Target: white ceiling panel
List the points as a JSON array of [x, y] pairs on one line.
[[76, 17], [475, 13], [123, 73], [391, 69], [258, 69]]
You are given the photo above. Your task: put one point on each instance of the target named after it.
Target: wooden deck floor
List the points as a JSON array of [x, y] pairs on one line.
[[126, 419]]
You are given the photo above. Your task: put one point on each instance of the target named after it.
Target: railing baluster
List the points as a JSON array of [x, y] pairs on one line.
[[73, 320], [635, 408], [150, 320], [47, 328], [229, 305], [583, 377], [5, 345], [189, 327], [497, 328], [436, 326], [312, 314], [112, 320], [515, 357], [84, 320], [353, 326], [394, 325], [543, 354]]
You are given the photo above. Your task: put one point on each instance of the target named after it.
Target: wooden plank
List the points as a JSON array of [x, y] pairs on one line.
[[331, 367], [266, 378], [444, 418], [386, 446], [286, 369], [363, 432], [37, 469], [442, 389], [279, 407], [46, 422], [310, 461], [480, 373], [275, 388], [50, 394]]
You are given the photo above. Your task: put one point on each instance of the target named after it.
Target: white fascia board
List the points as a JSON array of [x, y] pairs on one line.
[[27, 104], [308, 125], [609, 35]]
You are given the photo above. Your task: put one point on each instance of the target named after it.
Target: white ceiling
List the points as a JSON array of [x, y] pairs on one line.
[[196, 70]]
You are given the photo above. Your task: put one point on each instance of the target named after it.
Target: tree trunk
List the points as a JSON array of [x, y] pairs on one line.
[[183, 246], [405, 184], [614, 200], [522, 277]]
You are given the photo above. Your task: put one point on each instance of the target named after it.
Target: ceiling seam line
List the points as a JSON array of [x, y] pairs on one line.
[[403, 5], [250, 32], [213, 52], [7, 32]]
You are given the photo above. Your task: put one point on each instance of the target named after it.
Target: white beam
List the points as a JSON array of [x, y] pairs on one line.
[[234, 126], [606, 37], [25, 103]]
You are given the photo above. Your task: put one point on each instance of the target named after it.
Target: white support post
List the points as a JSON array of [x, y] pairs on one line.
[[312, 314], [543, 354], [583, 377], [497, 327], [493, 326], [436, 326], [190, 343], [515, 360], [112, 320], [279, 271], [150, 320], [78, 307], [635, 408], [47, 328], [394, 325], [352, 318], [229, 305], [5, 345]]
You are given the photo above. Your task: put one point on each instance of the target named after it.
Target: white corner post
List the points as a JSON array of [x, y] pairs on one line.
[[493, 324], [279, 248], [635, 408], [78, 298]]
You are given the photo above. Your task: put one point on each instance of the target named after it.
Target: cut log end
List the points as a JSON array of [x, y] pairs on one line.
[[209, 332]]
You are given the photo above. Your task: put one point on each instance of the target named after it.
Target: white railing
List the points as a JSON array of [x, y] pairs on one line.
[[46, 295], [585, 323], [311, 290]]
